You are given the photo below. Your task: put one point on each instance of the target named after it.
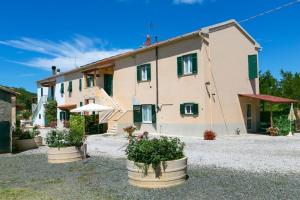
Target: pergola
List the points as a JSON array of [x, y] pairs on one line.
[[271, 100]]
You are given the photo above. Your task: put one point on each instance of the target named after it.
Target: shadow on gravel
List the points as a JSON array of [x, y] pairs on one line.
[[31, 177]]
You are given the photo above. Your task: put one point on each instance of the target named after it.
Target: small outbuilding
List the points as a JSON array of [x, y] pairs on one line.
[[7, 118]]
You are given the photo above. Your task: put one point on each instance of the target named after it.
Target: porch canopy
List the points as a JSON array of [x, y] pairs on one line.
[[271, 99], [92, 107], [66, 106]]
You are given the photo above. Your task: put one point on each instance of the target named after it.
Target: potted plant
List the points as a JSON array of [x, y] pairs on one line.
[[209, 135], [36, 134], [64, 146], [156, 163], [129, 130], [273, 131], [25, 140]]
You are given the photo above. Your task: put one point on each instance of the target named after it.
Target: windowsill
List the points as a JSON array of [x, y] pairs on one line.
[[144, 81], [146, 122], [184, 75]]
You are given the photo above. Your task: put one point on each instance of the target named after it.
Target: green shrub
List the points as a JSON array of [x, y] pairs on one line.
[[51, 111], [154, 151], [76, 133], [57, 139], [24, 135], [283, 124]]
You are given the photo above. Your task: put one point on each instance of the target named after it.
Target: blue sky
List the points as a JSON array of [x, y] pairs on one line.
[[36, 34]]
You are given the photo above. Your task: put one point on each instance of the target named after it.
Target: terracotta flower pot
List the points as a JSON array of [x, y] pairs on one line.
[[38, 140], [25, 144], [175, 173], [64, 154]]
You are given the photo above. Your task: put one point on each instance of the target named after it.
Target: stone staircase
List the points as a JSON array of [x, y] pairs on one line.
[[112, 117]]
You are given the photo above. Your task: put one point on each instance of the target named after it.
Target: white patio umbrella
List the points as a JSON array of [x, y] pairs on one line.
[[291, 118], [92, 107]]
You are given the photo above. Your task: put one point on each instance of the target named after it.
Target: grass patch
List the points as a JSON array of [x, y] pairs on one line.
[[17, 193]]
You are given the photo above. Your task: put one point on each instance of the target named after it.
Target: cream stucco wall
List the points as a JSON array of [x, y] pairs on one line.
[[227, 74]]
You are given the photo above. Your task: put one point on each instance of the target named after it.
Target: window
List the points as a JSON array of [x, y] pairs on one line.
[[252, 67], [144, 72], [147, 113], [187, 64], [62, 88], [189, 109], [70, 88], [90, 80], [249, 116], [62, 116], [40, 116], [80, 84], [42, 92], [144, 114], [80, 104]]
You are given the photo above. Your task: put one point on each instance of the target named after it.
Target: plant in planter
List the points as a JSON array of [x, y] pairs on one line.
[[36, 134], [273, 131], [64, 146], [209, 135], [129, 130], [155, 163], [25, 140]]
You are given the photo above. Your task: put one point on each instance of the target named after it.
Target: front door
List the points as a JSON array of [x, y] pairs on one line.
[[249, 117], [5, 140], [108, 84]]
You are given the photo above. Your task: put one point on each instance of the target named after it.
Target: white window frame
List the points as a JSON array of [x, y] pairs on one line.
[[188, 109], [147, 118], [187, 65], [144, 73]]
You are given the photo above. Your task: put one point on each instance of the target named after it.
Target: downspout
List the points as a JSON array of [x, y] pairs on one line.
[[156, 76]]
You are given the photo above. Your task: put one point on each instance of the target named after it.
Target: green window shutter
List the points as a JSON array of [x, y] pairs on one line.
[[252, 66], [179, 66], [80, 84], [60, 116], [148, 72], [70, 86], [194, 63], [195, 109], [137, 113], [153, 114], [138, 73], [182, 109], [62, 88], [80, 103], [42, 91]]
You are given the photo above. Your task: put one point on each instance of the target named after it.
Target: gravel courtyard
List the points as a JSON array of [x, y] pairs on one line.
[[238, 167], [30, 177], [254, 153]]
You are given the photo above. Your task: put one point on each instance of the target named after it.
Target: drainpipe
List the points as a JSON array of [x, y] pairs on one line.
[[156, 73]]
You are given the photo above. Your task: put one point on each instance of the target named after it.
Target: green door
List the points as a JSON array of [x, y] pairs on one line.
[[108, 84], [5, 140]]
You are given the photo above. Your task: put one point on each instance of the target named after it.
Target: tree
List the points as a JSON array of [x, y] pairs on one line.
[[290, 84], [268, 84], [51, 111]]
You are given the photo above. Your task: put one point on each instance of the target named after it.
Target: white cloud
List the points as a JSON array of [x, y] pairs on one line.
[[63, 53], [188, 1]]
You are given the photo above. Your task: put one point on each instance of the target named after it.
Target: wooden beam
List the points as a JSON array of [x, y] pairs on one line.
[[271, 114]]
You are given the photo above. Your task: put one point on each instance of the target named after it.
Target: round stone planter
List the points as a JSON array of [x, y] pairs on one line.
[[64, 154], [174, 174], [26, 144], [38, 140]]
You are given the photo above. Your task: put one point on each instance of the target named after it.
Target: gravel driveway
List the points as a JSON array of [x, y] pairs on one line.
[[30, 177], [255, 153]]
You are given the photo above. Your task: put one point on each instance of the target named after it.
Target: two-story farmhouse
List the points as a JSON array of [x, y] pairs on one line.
[[181, 86]]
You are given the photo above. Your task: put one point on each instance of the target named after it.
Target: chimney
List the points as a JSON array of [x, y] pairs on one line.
[[53, 70], [148, 41], [58, 71]]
